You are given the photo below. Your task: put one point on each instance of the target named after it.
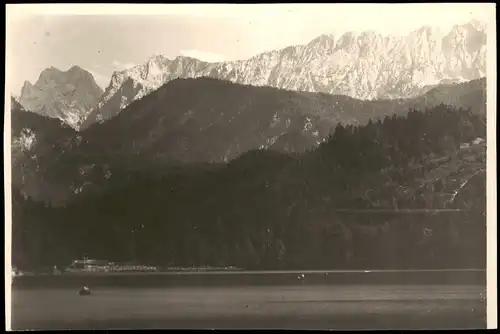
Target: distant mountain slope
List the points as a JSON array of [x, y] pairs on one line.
[[362, 65], [206, 120], [195, 120], [67, 95], [468, 95]]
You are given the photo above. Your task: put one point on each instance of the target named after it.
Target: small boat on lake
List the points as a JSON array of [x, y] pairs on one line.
[[85, 291]]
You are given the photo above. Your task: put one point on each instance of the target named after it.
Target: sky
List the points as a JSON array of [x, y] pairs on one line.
[[107, 38]]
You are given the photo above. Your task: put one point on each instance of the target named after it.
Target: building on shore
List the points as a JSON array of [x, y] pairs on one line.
[[93, 265]]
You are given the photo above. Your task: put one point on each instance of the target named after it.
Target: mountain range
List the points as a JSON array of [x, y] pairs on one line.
[[364, 65], [183, 111], [190, 121]]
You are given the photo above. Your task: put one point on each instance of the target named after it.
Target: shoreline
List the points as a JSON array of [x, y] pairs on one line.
[[252, 278], [243, 271]]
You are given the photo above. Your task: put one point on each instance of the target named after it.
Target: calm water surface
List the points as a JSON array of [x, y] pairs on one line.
[[244, 301]]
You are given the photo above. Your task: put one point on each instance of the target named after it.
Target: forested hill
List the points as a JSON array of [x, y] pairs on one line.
[[199, 120], [342, 205]]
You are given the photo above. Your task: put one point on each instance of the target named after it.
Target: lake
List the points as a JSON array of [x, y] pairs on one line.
[[320, 300]]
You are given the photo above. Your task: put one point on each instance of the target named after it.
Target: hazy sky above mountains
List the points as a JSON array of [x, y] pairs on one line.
[[40, 36]]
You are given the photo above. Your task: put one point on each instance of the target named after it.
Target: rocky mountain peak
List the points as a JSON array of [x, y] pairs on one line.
[[157, 58], [65, 95], [27, 87], [325, 41], [478, 25]]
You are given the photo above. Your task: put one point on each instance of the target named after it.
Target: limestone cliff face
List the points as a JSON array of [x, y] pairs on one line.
[[364, 65], [68, 96]]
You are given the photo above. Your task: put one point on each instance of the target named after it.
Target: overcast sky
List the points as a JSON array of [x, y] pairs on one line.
[[40, 36]]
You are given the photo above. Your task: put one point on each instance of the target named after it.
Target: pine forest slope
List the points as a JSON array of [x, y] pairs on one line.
[[270, 209]]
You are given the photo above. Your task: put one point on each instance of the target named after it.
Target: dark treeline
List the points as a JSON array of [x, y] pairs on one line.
[[270, 210]]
